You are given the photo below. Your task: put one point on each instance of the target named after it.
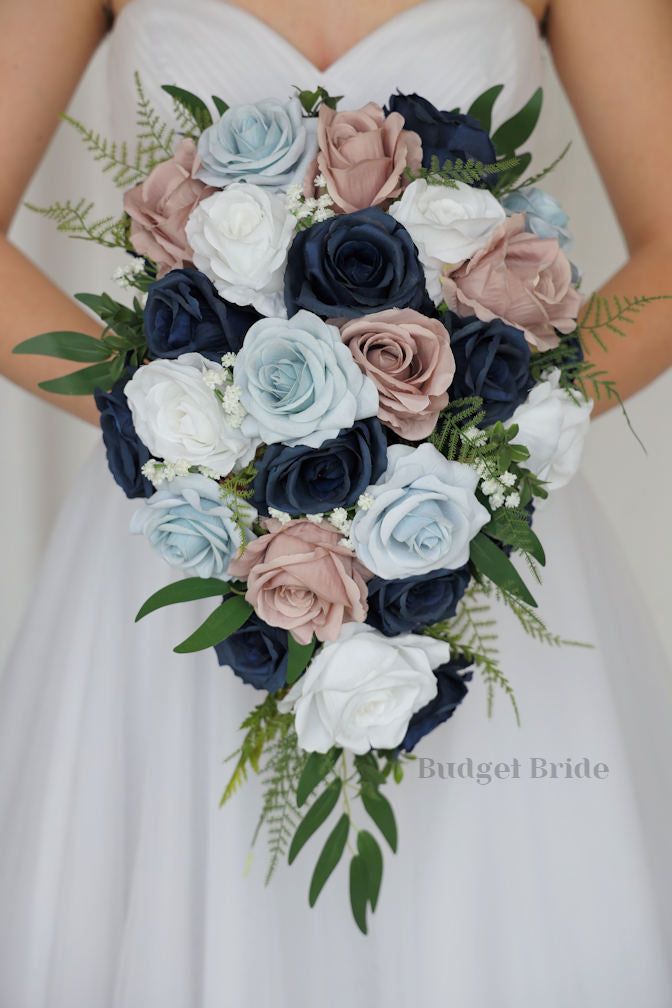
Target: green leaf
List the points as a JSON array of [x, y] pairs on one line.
[[71, 346], [329, 858], [220, 105], [220, 624], [518, 129], [87, 380], [489, 560], [192, 104], [359, 892], [315, 770], [380, 810], [368, 769], [481, 109], [320, 810], [517, 533], [298, 656], [183, 591], [371, 854]]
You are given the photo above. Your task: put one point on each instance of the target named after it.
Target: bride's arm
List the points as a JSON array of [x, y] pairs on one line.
[[45, 46], [615, 60]]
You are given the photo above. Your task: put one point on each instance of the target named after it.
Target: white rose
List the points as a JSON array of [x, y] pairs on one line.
[[240, 238], [178, 416], [447, 225], [361, 691], [553, 425]]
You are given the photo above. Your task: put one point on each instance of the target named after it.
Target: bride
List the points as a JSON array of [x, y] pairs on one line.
[[122, 885]]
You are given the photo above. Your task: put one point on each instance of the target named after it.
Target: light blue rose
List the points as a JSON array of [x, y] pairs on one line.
[[544, 216], [191, 527], [266, 143], [423, 516], [299, 383]]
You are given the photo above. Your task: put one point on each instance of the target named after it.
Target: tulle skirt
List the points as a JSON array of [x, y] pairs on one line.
[[123, 885]]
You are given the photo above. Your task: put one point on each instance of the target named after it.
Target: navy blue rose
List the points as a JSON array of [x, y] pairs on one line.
[[449, 136], [257, 653], [492, 360], [185, 314], [352, 265], [126, 454], [305, 480], [451, 681], [409, 604]]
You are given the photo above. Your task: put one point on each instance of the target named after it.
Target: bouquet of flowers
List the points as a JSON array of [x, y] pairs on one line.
[[350, 367]]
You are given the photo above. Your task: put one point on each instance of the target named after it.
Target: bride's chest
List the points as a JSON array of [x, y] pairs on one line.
[[448, 50], [323, 31]]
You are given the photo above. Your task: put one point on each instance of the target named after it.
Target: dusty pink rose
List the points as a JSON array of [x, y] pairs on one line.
[[301, 579], [362, 155], [520, 278], [160, 206], [408, 357]]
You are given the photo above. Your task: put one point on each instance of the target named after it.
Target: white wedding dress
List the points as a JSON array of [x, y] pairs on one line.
[[122, 884]]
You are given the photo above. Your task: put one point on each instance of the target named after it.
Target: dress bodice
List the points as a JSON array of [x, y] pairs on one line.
[[447, 50]]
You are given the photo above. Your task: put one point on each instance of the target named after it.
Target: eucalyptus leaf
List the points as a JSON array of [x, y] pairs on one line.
[[87, 380], [192, 104], [519, 128], [298, 657], [316, 768], [186, 590], [490, 561], [380, 810], [220, 105], [72, 346], [370, 852], [318, 812], [481, 109], [517, 533], [330, 856], [359, 893], [220, 624]]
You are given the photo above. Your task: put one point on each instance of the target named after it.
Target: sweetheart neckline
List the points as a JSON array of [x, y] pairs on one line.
[[393, 22]]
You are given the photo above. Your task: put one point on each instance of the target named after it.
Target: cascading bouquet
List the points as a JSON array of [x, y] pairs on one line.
[[351, 366]]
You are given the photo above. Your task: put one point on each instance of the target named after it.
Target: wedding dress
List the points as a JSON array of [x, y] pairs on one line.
[[123, 885]]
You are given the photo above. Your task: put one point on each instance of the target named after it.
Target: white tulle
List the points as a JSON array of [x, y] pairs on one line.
[[122, 884]]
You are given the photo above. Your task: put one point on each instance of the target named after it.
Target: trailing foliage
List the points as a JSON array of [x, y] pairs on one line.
[[538, 176], [280, 777], [261, 727], [78, 220], [471, 633]]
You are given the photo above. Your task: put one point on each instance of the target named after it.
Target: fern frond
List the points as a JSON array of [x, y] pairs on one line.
[[533, 179], [261, 726], [470, 172], [280, 778], [235, 490], [532, 623], [472, 633], [158, 136], [113, 156], [74, 219], [609, 314]]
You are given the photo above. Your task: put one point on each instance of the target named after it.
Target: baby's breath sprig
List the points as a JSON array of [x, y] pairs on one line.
[[310, 210]]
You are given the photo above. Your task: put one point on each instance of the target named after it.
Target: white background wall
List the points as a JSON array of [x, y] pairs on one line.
[[41, 449]]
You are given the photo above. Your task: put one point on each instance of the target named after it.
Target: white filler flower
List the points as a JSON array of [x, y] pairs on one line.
[[361, 691], [552, 424]]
